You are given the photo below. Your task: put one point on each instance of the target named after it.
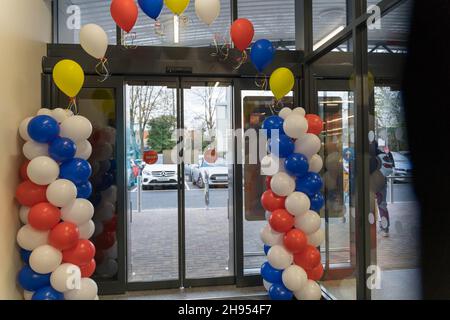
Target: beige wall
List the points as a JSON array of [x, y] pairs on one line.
[[25, 28]]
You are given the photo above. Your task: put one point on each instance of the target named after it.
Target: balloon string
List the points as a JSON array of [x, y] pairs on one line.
[[159, 28], [129, 36], [73, 105], [102, 69], [241, 60], [183, 20], [261, 81], [222, 51]]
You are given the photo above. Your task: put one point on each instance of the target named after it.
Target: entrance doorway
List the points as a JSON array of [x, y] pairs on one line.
[[180, 213]]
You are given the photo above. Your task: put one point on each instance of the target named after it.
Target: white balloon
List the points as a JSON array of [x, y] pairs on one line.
[[29, 238], [270, 165], [66, 277], [98, 228], [44, 112], [43, 170], [105, 211], [284, 113], [300, 111], [110, 194], [315, 163], [207, 10], [316, 239], [60, 114], [77, 128], [309, 222], [297, 203], [112, 252], [32, 149], [45, 259], [308, 145], [84, 150], [267, 285], [61, 192], [271, 237], [69, 113], [79, 211], [94, 40], [279, 257], [88, 291], [23, 214], [23, 129], [27, 295], [294, 277], [310, 291], [282, 184], [87, 230], [295, 125], [107, 268]]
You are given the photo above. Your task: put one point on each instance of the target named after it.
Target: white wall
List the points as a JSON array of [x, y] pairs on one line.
[[25, 28]]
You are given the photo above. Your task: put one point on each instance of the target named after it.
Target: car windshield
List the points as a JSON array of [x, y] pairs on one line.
[[219, 163]]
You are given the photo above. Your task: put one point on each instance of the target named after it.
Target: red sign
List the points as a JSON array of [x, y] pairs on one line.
[[150, 157], [210, 156]]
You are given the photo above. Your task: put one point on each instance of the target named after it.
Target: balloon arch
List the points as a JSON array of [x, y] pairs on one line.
[[59, 257]]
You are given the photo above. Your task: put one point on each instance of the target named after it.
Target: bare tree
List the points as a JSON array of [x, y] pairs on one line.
[[210, 96], [144, 101]]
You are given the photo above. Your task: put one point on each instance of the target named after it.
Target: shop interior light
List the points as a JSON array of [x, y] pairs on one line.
[[176, 29], [328, 37]]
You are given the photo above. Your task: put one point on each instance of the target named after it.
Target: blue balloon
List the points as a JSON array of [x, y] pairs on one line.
[[62, 149], [152, 8], [84, 190], [309, 184], [297, 164], [317, 202], [43, 129], [76, 170], [279, 292], [25, 255], [47, 293], [282, 147], [266, 249], [270, 274], [273, 123], [262, 54], [31, 281]]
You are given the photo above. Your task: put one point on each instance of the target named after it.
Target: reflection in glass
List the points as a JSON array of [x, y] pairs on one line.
[[329, 17]]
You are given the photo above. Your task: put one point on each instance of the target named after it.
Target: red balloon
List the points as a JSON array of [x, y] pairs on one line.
[[315, 124], [242, 33], [268, 179], [281, 221], [124, 13], [81, 254], [28, 194], [271, 202], [105, 240], [64, 236], [315, 273], [44, 216], [111, 224], [87, 270], [295, 241], [308, 259], [23, 170]]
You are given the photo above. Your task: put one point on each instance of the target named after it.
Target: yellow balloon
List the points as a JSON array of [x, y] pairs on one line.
[[177, 6], [69, 77], [281, 82]]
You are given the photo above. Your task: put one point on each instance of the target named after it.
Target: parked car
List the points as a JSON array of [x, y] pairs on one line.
[[159, 175], [216, 173], [387, 163], [403, 165]]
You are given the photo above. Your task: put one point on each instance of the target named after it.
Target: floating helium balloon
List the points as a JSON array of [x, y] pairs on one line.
[[242, 33], [262, 54], [177, 6], [47, 293], [124, 13], [43, 129], [62, 149], [279, 292], [270, 274], [207, 10], [76, 170], [281, 82], [69, 77], [32, 281], [151, 8], [94, 40], [272, 123]]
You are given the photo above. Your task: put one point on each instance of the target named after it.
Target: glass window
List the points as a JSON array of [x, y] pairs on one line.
[[273, 20], [329, 18], [73, 14]]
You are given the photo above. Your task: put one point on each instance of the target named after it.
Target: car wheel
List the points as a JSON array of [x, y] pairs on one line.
[[200, 182], [193, 181], [145, 187]]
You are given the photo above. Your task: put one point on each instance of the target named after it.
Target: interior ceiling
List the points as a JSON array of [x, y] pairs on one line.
[[273, 20]]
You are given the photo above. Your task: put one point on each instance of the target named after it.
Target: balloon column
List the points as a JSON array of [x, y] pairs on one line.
[[292, 202], [57, 219]]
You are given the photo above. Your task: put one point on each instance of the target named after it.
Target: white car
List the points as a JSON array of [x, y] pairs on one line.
[[216, 173], [159, 175]]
